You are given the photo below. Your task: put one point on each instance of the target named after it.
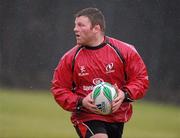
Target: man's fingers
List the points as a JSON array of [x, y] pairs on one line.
[[116, 99]]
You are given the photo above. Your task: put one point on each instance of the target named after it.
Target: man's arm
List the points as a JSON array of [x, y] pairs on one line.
[[62, 85], [137, 78]]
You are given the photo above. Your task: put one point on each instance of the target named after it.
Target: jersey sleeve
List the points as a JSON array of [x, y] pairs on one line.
[[137, 77], [62, 85]]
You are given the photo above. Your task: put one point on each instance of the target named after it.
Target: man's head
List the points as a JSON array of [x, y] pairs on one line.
[[95, 16], [89, 24]]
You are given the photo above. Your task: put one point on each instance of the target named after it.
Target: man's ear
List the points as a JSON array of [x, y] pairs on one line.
[[97, 28]]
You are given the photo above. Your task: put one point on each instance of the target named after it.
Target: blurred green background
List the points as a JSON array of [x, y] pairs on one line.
[[35, 114]]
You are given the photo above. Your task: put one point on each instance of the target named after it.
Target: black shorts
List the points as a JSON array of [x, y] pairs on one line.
[[90, 128]]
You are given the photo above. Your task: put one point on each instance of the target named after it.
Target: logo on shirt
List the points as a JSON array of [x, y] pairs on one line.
[[96, 81], [110, 68], [83, 71]]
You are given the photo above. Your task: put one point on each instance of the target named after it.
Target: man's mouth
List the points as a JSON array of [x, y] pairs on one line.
[[77, 35]]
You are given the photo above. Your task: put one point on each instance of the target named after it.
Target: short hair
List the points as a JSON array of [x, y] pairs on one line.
[[95, 16]]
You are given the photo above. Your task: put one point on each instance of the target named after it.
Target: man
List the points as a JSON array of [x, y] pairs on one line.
[[94, 59]]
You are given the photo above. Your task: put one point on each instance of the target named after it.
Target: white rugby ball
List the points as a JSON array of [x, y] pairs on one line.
[[103, 94]]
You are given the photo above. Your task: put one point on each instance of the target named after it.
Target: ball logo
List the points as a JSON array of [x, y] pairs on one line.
[[97, 81], [102, 107]]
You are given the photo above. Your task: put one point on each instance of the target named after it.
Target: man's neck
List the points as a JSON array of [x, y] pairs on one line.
[[97, 41]]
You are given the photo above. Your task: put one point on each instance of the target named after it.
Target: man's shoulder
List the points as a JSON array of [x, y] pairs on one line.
[[71, 52], [121, 44], [118, 42]]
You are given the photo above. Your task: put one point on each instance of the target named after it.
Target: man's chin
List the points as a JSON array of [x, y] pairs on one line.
[[79, 43]]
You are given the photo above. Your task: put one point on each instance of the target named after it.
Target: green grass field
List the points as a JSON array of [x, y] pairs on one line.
[[34, 114]]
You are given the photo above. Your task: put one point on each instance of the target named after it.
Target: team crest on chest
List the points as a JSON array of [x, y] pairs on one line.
[[82, 71], [110, 68]]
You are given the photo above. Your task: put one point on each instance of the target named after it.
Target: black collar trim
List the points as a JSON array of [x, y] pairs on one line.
[[95, 47]]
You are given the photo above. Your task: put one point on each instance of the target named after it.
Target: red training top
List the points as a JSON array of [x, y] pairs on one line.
[[96, 64]]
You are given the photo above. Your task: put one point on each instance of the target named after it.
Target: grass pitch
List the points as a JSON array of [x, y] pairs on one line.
[[34, 114]]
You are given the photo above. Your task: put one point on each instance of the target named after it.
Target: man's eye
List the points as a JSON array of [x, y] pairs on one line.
[[81, 25]]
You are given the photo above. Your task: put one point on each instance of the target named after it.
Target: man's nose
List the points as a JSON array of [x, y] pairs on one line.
[[75, 28]]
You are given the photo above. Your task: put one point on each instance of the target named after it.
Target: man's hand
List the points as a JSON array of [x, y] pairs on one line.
[[88, 103], [119, 99]]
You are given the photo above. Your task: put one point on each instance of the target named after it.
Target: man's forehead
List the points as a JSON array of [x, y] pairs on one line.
[[82, 19]]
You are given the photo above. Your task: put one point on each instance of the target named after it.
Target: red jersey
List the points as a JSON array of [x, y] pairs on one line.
[[96, 64]]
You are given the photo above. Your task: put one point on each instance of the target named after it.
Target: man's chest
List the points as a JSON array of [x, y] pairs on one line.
[[92, 67]]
